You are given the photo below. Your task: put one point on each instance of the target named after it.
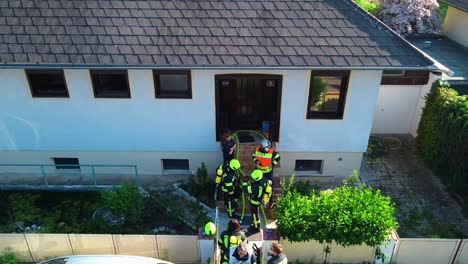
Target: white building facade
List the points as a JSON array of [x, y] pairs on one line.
[[144, 130]]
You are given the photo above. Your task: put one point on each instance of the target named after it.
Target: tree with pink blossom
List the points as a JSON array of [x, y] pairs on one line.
[[411, 16]]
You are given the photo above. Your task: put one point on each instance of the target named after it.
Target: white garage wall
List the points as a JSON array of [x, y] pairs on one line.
[[399, 108], [395, 110]]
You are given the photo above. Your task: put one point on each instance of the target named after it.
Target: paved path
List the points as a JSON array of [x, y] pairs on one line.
[[424, 207]]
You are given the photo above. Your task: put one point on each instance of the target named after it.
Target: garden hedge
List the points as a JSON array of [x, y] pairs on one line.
[[443, 135]]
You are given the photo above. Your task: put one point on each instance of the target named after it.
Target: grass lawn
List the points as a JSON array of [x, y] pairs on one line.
[[443, 10]]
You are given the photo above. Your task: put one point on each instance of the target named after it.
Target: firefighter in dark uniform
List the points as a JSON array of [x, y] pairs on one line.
[[232, 237], [260, 193], [227, 179]]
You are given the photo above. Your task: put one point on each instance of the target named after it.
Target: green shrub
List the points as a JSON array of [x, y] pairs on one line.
[[201, 186], [8, 257], [348, 215], [372, 7], [23, 207], [443, 135], [126, 200]]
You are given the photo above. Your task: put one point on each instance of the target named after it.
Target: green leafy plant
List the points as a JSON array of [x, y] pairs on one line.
[[370, 6], [9, 257], [23, 207], [201, 186], [126, 200], [443, 135], [348, 215]]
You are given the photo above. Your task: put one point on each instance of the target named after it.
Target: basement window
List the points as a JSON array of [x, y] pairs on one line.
[[66, 163], [110, 83], [47, 83], [175, 164], [172, 83], [309, 165]]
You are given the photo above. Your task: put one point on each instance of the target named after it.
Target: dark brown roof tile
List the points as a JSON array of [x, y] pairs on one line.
[[260, 33]]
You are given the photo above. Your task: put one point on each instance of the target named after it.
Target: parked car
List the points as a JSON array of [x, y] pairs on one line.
[[104, 259]]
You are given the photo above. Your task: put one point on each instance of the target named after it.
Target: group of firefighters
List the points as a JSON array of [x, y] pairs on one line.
[[259, 188]]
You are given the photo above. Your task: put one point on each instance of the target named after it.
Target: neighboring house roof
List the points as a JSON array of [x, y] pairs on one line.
[[451, 54], [212, 33], [460, 4]]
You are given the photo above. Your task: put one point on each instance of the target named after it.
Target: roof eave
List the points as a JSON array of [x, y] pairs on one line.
[[433, 67]]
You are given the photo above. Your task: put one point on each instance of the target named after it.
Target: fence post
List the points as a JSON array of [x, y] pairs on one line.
[[137, 177], [94, 175], [44, 175]]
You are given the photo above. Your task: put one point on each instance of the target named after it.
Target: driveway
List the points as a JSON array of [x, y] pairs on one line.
[[424, 206]]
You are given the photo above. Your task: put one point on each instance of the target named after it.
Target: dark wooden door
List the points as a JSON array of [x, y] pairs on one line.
[[243, 102]]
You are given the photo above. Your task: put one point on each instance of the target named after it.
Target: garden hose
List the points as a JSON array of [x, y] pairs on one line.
[[264, 215], [236, 138]]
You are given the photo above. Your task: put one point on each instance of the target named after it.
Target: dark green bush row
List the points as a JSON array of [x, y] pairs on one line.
[[443, 135]]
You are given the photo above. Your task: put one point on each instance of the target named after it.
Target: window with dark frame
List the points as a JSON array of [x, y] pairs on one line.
[[404, 77], [66, 163], [327, 94], [172, 83], [47, 83], [110, 83], [393, 73], [175, 164], [309, 165]]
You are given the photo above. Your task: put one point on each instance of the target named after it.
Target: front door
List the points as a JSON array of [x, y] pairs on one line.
[[248, 102]]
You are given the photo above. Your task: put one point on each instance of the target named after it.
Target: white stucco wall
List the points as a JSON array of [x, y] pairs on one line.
[[456, 25], [83, 122], [328, 135], [154, 128]]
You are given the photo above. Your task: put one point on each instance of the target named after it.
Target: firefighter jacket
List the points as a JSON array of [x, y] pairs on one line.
[[228, 181], [256, 190], [265, 160]]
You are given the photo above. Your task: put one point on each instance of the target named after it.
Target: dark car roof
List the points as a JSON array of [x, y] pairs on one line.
[[186, 33]]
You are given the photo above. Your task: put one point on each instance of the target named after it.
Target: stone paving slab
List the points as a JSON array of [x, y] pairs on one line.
[[424, 206]]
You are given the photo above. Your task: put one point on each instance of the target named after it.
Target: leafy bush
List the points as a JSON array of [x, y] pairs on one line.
[[23, 207], [126, 200], [304, 188], [371, 6], [201, 186], [443, 134], [66, 216], [349, 215], [8, 257], [411, 16]]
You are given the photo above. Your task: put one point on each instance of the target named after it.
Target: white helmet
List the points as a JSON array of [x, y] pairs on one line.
[[265, 143]]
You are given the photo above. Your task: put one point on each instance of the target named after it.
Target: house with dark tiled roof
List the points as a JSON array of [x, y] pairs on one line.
[[154, 83], [456, 21]]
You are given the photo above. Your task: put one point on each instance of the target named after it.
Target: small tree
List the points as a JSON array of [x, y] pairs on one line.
[[201, 186], [348, 215], [126, 200]]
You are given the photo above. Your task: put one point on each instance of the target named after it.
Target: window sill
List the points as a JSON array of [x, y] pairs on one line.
[[178, 172], [310, 173]]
